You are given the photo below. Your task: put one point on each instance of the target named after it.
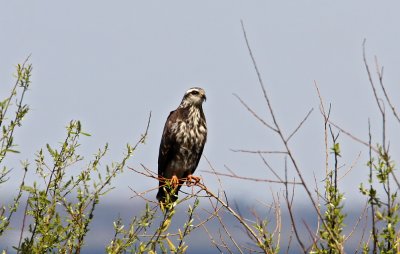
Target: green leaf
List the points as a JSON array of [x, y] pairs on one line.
[[12, 151], [28, 189], [86, 134], [336, 149]]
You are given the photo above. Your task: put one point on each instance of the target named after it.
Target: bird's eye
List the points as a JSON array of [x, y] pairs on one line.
[[195, 92]]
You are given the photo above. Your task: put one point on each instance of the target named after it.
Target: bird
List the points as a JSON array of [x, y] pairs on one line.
[[181, 146]]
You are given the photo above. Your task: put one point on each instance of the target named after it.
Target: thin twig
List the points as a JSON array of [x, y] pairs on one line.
[[315, 238], [290, 209], [380, 76], [357, 222], [278, 217], [234, 213], [254, 113], [13, 91], [351, 167], [299, 126], [211, 238], [251, 178], [258, 151], [23, 224], [326, 120], [228, 233], [370, 79], [276, 128], [374, 231], [354, 137], [270, 168], [363, 234]]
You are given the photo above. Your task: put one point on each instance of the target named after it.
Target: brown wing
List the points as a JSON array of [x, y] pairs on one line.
[[168, 145], [168, 148]]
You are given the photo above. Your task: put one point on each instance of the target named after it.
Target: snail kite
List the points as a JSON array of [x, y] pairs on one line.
[[182, 143]]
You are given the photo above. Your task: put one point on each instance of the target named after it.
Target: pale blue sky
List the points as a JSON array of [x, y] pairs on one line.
[[109, 64]]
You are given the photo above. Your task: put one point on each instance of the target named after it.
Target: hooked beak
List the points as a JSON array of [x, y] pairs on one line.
[[204, 97]]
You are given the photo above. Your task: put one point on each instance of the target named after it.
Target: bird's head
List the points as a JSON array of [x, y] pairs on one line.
[[195, 96]]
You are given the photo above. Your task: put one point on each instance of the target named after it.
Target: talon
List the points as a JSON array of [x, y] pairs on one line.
[[192, 180], [174, 181]]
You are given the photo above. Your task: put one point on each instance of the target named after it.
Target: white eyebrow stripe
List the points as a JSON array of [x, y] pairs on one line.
[[198, 89], [191, 90]]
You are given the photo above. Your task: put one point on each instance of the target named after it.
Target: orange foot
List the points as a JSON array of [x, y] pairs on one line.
[[192, 180], [174, 181]]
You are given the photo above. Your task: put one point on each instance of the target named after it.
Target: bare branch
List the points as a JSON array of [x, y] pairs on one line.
[[357, 222], [283, 139], [257, 151], [254, 113], [251, 178], [354, 137], [326, 119], [228, 233], [371, 80], [277, 129], [236, 215], [270, 168], [351, 166], [289, 204], [212, 238], [380, 75], [301, 123]]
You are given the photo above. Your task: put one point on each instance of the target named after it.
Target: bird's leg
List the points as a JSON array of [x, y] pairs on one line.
[[174, 181], [192, 180]]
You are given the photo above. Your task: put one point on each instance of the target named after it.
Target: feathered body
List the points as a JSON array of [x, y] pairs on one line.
[[182, 142]]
